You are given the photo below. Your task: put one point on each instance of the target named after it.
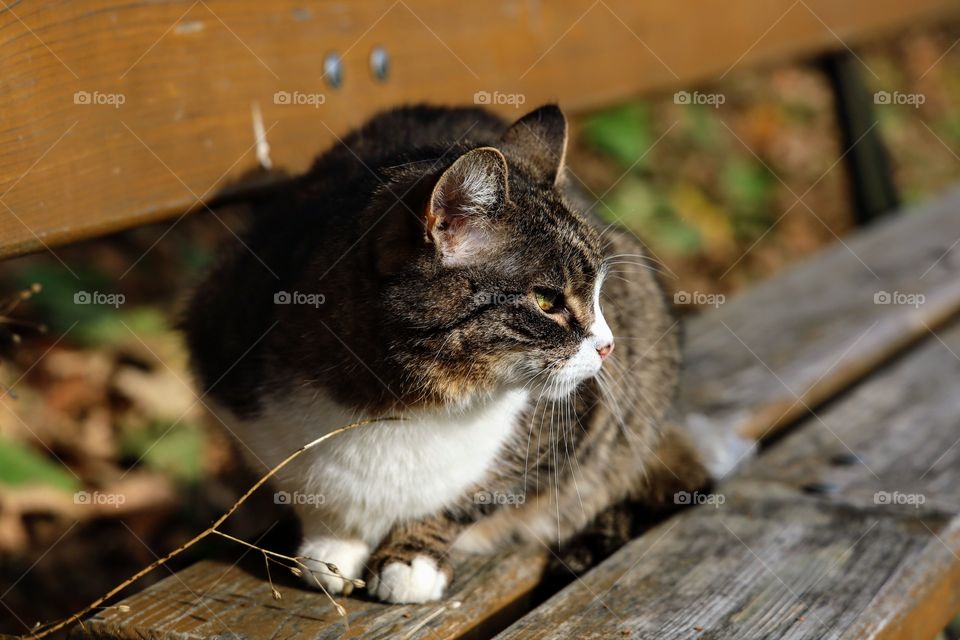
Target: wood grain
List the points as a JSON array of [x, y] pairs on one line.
[[189, 71], [779, 560], [790, 343], [769, 563], [214, 599], [899, 433]]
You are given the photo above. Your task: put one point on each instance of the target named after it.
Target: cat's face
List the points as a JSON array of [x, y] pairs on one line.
[[508, 290]]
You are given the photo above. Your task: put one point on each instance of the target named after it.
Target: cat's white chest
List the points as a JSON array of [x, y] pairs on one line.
[[378, 474]]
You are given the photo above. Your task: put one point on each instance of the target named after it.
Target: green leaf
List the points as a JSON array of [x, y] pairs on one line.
[[112, 327], [623, 132], [173, 449], [23, 465], [635, 204], [702, 125]]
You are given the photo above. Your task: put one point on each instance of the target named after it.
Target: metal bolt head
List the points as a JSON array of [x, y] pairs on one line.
[[333, 69], [380, 63]]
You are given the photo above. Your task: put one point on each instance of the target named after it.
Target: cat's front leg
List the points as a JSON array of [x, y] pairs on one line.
[[412, 563]]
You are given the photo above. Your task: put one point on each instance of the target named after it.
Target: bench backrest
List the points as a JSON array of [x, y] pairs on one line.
[[115, 114]]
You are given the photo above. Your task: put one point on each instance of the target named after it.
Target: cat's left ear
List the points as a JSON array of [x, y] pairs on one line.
[[539, 139], [464, 201]]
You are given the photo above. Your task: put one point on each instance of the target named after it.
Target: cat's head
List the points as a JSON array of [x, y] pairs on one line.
[[504, 288]]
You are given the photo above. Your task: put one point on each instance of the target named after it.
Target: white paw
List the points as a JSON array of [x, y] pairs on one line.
[[347, 555], [399, 582]]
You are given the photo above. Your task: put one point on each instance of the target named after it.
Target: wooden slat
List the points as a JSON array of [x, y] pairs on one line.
[[769, 563], [189, 72], [214, 599], [791, 342], [899, 432], [787, 557], [820, 325]]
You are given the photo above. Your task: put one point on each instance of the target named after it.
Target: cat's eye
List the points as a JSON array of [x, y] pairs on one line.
[[547, 300]]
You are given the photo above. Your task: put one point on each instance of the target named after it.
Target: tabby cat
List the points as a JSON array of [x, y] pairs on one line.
[[436, 266]]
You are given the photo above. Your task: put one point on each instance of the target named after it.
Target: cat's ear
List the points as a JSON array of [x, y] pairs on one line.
[[458, 215], [539, 139]]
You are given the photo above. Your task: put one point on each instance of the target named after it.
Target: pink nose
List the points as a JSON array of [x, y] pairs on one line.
[[605, 350]]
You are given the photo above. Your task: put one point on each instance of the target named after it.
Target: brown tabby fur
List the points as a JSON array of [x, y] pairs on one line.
[[400, 329]]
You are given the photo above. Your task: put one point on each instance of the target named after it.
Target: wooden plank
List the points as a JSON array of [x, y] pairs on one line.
[[171, 84], [788, 344], [801, 335], [899, 433], [769, 563], [215, 599], [777, 560]]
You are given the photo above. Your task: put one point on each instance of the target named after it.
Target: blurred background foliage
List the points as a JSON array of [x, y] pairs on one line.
[[102, 401]]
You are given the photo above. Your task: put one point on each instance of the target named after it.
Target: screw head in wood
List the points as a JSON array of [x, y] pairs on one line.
[[380, 64], [333, 69]]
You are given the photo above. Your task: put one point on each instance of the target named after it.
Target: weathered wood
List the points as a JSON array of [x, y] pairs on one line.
[[897, 434], [768, 563], [817, 321], [214, 599], [188, 73], [804, 546], [791, 342]]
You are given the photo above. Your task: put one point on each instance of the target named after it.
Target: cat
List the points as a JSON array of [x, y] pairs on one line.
[[437, 266]]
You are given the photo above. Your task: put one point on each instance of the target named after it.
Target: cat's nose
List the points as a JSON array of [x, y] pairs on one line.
[[605, 350]]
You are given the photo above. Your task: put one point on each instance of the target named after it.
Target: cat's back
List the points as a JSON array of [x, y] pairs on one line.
[[408, 131], [318, 216]]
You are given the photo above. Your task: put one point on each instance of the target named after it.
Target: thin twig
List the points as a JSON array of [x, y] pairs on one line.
[[77, 617], [298, 560]]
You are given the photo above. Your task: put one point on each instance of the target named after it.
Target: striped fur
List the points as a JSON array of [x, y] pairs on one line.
[[433, 242]]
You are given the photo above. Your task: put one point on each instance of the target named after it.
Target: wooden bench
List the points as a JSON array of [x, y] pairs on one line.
[[802, 545]]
